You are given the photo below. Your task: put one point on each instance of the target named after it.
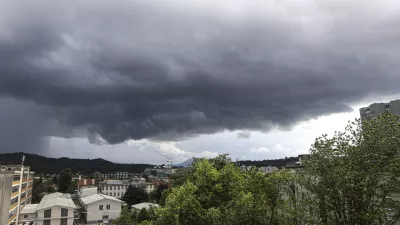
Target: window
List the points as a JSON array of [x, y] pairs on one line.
[[114, 194], [46, 222], [118, 187], [100, 207], [16, 177], [64, 221], [15, 189], [25, 216], [106, 188], [108, 207], [47, 213], [64, 212], [105, 217]]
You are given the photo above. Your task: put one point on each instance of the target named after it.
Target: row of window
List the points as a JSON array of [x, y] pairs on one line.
[[62, 222], [115, 187], [118, 194], [108, 207], [47, 213]]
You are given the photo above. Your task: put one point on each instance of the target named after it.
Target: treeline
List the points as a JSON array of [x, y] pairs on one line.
[[269, 162], [40, 164]]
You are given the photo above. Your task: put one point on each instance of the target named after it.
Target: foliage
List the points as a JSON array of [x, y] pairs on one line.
[[268, 162], [156, 195], [130, 217], [41, 164], [126, 217], [55, 180], [218, 192], [134, 195], [65, 180], [355, 174], [164, 196]]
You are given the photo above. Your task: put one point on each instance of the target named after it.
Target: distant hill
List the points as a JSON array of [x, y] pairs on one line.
[[41, 164], [185, 163]]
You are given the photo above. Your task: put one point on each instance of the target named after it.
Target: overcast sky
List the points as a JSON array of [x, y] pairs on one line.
[[150, 81]]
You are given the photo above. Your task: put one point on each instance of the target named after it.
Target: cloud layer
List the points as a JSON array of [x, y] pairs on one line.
[[116, 71]]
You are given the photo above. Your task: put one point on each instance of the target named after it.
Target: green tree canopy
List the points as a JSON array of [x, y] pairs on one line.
[[218, 192], [134, 195], [65, 180], [355, 174]]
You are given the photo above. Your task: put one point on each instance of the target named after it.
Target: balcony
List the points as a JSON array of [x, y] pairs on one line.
[[13, 206], [12, 218]]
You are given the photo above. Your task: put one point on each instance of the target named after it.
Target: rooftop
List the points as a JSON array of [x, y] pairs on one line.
[[30, 208], [97, 197], [56, 199], [116, 182], [145, 205]]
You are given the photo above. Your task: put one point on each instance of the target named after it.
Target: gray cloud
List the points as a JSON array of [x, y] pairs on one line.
[[243, 134], [168, 69]]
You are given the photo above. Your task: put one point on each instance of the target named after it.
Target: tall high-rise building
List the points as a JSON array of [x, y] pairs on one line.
[[375, 109], [16, 182]]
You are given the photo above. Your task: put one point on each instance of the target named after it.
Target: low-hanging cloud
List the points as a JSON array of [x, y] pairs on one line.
[[168, 69]]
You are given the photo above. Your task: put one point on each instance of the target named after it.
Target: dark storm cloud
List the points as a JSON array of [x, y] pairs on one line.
[[164, 69]]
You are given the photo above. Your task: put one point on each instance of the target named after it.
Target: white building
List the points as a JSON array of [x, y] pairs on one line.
[[84, 191], [150, 187], [54, 209], [114, 188], [117, 188], [144, 205], [101, 208], [268, 169]]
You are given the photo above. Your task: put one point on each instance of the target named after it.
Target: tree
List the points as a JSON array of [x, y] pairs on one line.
[[134, 195], [164, 196], [55, 180], [218, 192], [155, 195], [126, 217], [65, 180], [355, 174]]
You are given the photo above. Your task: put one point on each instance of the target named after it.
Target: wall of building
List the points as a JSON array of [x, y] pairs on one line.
[[6, 179], [29, 217], [94, 215], [55, 216], [116, 191]]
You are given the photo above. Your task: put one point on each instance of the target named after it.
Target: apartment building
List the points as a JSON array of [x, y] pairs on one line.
[[117, 188], [114, 188], [16, 182], [375, 109], [99, 208], [54, 209], [115, 175]]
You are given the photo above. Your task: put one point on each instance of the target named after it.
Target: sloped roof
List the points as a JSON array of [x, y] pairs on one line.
[[30, 208], [98, 197], [56, 199], [145, 205]]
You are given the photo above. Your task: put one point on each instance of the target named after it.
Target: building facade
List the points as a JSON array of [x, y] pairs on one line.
[[117, 188], [375, 109], [99, 208], [115, 175], [16, 182], [54, 209]]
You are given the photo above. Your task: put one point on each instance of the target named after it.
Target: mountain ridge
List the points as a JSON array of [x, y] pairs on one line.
[[49, 165]]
